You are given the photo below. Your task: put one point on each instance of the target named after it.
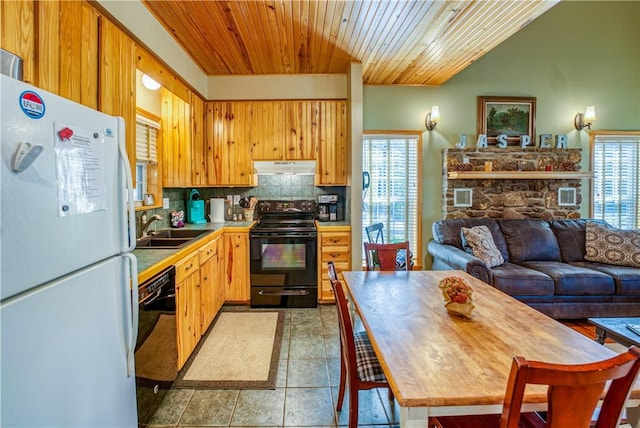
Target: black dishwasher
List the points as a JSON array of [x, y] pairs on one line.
[[156, 349]]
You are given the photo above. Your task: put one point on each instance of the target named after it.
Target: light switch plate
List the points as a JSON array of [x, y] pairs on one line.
[[236, 199], [165, 203]]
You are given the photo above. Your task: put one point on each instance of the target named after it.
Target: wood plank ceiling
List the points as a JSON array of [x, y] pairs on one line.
[[398, 42]]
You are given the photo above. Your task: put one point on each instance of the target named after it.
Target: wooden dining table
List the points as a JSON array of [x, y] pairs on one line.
[[441, 364]]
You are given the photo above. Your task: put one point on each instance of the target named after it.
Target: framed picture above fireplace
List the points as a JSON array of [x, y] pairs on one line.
[[511, 116]]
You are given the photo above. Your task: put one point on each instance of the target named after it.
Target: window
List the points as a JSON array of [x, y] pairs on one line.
[[392, 197], [616, 178], [147, 131]]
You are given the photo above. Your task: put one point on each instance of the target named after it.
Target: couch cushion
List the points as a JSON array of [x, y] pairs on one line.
[[606, 244], [517, 280], [482, 245], [571, 280], [529, 240], [571, 238], [448, 232], [625, 278]]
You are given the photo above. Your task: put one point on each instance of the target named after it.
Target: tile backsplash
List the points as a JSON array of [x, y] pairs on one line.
[[282, 187]]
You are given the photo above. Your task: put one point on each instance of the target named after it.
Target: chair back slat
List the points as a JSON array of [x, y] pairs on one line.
[[384, 256], [375, 233]]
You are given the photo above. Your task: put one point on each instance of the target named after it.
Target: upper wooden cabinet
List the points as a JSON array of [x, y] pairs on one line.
[[268, 130], [176, 140], [199, 175], [304, 129], [332, 146], [228, 144]]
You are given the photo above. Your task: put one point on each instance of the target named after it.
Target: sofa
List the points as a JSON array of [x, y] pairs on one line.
[[566, 269]]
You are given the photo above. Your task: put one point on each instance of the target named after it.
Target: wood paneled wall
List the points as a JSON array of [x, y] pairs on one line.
[[117, 95]]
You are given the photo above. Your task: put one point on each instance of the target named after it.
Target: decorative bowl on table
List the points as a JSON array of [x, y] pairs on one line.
[[458, 296]]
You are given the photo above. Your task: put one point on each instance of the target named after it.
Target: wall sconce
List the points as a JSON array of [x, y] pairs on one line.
[[149, 83], [582, 121], [432, 118]]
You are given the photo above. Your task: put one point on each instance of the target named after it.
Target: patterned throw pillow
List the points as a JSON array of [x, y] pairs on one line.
[[606, 244], [481, 242]]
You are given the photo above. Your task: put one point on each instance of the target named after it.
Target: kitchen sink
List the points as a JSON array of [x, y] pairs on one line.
[[179, 233], [169, 238], [162, 243]]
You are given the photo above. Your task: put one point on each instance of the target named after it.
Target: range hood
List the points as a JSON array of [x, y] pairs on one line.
[[285, 167]]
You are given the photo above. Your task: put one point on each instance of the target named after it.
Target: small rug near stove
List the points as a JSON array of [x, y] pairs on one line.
[[241, 350]]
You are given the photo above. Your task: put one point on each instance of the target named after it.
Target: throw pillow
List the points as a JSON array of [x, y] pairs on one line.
[[606, 244], [482, 245]]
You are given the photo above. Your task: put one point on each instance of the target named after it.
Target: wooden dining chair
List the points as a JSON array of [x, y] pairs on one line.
[[359, 366], [375, 233], [573, 394], [385, 256]]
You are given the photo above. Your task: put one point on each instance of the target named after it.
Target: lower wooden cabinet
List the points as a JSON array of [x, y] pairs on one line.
[[220, 273], [334, 244], [208, 293], [187, 306], [237, 266]]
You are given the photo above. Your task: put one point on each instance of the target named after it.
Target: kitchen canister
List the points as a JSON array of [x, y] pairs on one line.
[[217, 210]]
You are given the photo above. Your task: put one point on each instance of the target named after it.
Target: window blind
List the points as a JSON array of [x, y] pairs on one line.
[[616, 179], [392, 197], [146, 140]]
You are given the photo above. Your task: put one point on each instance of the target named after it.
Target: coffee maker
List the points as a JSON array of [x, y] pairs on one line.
[[328, 207]]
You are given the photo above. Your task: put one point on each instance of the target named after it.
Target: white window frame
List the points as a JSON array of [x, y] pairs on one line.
[[615, 162], [147, 136], [412, 200]]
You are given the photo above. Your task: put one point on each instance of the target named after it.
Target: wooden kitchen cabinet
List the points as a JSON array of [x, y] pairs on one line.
[[268, 130], [237, 266], [304, 129], [176, 140], [199, 155], [219, 274], [332, 149], [228, 144], [334, 245], [188, 306], [208, 293]]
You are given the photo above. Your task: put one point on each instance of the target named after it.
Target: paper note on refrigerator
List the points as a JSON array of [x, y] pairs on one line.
[[80, 170]]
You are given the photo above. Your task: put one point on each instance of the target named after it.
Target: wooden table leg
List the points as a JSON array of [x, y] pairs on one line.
[[601, 335], [413, 417]]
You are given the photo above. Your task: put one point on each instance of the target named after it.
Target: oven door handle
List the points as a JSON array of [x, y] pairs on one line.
[[284, 293]]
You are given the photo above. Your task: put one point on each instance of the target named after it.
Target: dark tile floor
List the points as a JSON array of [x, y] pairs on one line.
[[305, 394]]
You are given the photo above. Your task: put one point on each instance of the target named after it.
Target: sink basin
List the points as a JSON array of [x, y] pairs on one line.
[[169, 238], [180, 233], [159, 243]]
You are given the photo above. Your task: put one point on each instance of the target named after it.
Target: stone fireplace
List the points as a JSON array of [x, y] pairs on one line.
[[522, 183]]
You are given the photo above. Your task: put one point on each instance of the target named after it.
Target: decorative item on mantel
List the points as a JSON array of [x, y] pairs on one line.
[[458, 296]]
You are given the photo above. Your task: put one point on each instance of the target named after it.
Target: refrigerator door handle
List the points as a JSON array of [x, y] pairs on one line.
[[129, 232], [131, 308]]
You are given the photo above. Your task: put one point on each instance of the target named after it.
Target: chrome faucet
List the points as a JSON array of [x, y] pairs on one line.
[[148, 222]]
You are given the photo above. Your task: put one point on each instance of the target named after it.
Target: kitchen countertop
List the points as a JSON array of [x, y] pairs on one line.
[[328, 224], [151, 261]]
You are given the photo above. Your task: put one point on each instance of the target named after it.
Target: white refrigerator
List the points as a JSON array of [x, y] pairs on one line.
[[68, 307]]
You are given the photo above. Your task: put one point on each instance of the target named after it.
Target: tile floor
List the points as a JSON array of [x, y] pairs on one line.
[[305, 394]]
